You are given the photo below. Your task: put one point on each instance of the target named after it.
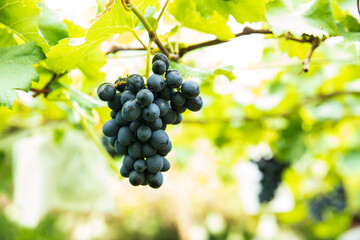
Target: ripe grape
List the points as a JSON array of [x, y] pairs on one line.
[[131, 110], [135, 83], [159, 67], [162, 57], [115, 103], [163, 106], [111, 128], [190, 89], [154, 180], [159, 139], [140, 165], [194, 104], [173, 78], [166, 165], [155, 83], [154, 164], [143, 133], [135, 150], [125, 136], [136, 178], [145, 97], [150, 113], [106, 92], [178, 99]]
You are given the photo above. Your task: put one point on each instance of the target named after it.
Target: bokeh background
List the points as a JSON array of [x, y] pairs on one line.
[[57, 183]]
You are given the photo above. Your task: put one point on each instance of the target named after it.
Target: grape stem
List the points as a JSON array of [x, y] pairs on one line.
[[129, 6], [46, 90], [147, 71]]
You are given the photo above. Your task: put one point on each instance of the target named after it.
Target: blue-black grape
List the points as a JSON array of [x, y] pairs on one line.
[[120, 149], [120, 87], [124, 172], [135, 83], [178, 119], [155, 125], [109, 148], [143, 133], [155, 83], [165, 93], [178, 109], [159, 139], [159, 67], [140, 165], [166, 165], [163, 106], [173, 78], [135, 150], [106, 92], [150, 113], [110, 128], [136, 178], [131, 110], [128, 163], [190, 89], [113, 114], [134, 125], [178, 99], [194, 104], [154, 164], [126, 136], [162, 57], [166, 150], [120, 120], [148, 150], [112, 140], [154, 180], [127, 95], [170, 117], [115, 104], [145, 97]]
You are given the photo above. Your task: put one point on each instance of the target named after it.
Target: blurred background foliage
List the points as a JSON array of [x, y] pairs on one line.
[[58, 180]]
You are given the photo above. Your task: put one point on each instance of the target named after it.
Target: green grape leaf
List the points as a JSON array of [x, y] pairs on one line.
[[51, 28], [22, 17], [17, 71], [6, 38], [201, 16], [91, 63], [242, 10], [85, 101], [69, 52], [313, 18], [74, 30], [203, 74]]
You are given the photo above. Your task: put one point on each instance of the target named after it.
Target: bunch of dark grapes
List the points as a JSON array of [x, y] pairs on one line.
[[139, 116], [334, 200], [271, 170]]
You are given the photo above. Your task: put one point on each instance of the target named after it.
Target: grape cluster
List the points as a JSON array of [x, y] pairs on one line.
[[139, 116], [271, 170], [334, 200]]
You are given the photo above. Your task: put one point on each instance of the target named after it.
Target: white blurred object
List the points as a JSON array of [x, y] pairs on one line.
[[352, 234], [198, 233], [248, 178], [267, 227], [70, 174], [215, 223], [283, 200], [31, 183]]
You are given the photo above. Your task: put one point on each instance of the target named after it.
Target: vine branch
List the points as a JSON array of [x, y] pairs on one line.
[[46, 89], [315, 42]]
